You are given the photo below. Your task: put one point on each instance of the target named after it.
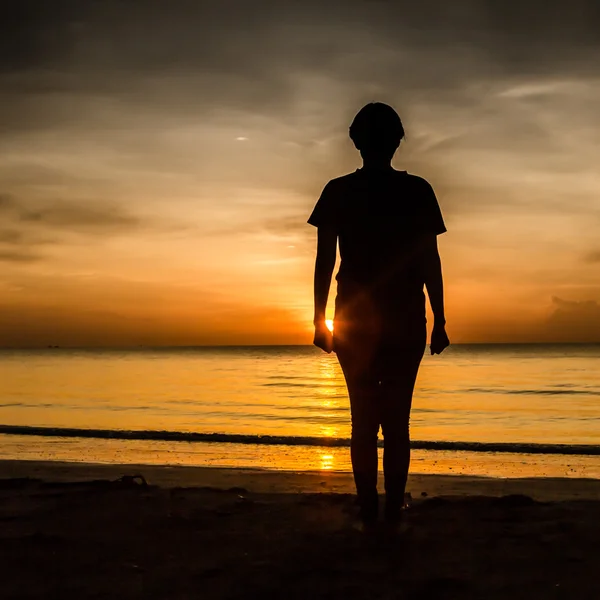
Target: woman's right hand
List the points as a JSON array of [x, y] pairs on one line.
[[323, 337], [439, 339]]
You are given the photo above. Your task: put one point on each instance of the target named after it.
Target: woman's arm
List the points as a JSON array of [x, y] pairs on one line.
[[435, 290], [324, 265]]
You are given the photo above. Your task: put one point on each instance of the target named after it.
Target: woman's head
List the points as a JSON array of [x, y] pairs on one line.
[[377, 131]]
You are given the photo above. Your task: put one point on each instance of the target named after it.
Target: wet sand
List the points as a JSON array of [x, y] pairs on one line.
[[68, 531]]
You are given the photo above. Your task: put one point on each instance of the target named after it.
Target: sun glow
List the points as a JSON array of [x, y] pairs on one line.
[[329, 323]]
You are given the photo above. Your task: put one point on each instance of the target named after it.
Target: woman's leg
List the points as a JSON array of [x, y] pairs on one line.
[[363, 390], [397, 385]]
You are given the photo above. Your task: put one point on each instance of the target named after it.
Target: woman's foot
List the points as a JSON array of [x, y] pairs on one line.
[[395, 513], [368, 514], [368, 526]]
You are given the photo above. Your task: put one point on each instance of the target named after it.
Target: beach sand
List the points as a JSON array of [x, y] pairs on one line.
[[68, 532]]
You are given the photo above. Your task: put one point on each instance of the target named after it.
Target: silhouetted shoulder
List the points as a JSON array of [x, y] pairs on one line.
[[420, 183], [341, 183], [327, 210], [431, 214]]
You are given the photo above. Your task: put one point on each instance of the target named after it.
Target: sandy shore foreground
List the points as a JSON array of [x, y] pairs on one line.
[[68, 531]]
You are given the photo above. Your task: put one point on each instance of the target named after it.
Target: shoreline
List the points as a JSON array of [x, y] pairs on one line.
[[264, 481], [155, 435]]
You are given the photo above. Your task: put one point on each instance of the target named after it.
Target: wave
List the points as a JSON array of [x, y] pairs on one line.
[[276, 440], [291, 384], [531, 392]]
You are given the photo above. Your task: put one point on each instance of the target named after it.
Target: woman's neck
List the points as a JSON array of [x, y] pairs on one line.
[[377, 165]]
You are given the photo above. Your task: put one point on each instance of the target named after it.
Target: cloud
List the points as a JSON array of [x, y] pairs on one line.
[[593, 256], [65, 215], [11, 236], [77, 217], [184, 32], [31, 225], [19, 255], [574, 321], [61, 214], [18, 244], [249, 55]]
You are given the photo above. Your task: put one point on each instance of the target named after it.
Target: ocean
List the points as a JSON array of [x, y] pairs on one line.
[[499, 410]]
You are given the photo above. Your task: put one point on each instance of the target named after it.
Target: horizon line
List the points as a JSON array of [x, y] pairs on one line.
[[193, 346]]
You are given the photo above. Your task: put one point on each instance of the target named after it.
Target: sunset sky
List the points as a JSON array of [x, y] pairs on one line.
[[158, 162]]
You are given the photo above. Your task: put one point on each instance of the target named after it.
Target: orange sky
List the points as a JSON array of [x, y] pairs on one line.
[[155, 183]]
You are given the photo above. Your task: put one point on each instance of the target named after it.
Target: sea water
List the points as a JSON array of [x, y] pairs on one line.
[[501, 410]]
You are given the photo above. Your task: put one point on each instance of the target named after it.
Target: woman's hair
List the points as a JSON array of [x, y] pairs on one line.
[[376, 126]]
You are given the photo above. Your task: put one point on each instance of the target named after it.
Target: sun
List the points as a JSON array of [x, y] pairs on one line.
[[329, 324]]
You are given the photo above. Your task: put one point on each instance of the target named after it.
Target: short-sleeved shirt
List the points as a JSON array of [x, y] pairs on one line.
[[381, 219]]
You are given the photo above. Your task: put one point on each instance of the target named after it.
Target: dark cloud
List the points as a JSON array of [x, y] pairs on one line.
[[246, 54], [19, 246], [34, 34], [6, 202], [593, 257], [183, 33], [78, 217], [574, 321], [63, 215], [11, 236], [29, 227], [20, 255]]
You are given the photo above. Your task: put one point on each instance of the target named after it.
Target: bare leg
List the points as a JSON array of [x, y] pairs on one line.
[[397, 385], [363, 390]]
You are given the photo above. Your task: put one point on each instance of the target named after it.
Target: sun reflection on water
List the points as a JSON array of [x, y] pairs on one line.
[[327, 462], [328, 367], [329, 431]]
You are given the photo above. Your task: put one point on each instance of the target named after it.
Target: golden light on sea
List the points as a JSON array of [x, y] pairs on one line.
[[327, 461]]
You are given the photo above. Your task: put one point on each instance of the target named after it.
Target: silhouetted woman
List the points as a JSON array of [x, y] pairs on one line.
[[386, 222]]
